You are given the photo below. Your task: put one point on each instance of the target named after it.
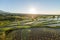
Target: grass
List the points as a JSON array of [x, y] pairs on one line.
[[4, 23], [12, 28], [25, 32], [5, 29], [23, 27], [35, 33]]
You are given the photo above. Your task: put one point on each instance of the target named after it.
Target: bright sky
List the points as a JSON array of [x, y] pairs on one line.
[[25, 6]]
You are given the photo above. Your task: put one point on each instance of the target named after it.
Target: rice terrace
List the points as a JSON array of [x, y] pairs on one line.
[[29, 26], [29, 19]]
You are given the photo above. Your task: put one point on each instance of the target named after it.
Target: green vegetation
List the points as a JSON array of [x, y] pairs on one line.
[[15, 26], [4, 23], [23, 27], [35, 33]]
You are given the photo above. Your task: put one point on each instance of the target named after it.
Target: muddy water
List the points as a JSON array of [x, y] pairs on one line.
[[35, 34]]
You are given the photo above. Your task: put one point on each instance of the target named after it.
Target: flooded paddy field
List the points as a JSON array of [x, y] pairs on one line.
[[35, 34]]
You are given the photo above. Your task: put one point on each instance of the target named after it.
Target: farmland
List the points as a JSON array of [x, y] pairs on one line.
[[29, 27]]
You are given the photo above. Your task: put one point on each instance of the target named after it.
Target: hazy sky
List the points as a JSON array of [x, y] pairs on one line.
[[41, 6]]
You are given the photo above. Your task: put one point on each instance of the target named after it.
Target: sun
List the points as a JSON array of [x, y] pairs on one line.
[[32, 11]]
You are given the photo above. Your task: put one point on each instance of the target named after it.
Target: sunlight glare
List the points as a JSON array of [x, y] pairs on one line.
[[32, 11]]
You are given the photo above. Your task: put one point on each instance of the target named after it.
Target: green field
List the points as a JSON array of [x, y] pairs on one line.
[[19, 27]]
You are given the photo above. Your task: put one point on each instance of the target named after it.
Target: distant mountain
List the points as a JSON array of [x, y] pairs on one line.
[[19, 14], [3, 13]]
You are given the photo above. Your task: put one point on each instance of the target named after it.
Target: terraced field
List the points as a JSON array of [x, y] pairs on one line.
[[31, 30], [34, 34]]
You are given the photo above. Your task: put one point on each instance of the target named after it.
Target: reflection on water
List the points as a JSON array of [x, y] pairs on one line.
[[36, 34]]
